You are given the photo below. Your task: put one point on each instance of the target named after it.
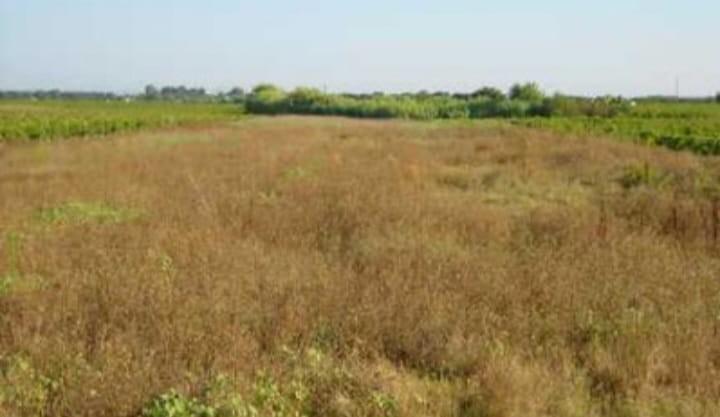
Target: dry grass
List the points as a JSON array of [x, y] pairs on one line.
[[329, 267]]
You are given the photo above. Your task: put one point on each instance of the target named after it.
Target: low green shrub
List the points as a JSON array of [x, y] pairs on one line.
[[314, 385]]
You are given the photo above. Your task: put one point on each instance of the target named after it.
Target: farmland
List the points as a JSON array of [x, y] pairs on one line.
[[308, 266], [693, 127], [52, 119], [689, 126]]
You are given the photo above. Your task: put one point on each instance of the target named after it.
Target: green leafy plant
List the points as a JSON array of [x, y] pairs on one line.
[[527, 92], [315, 385], [23, 389], [174, 404]]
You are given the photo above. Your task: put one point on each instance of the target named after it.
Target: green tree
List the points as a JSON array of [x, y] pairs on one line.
[[266, 89], [151, 92], [489, 92], [304, 99], [266, 98], [526, 92], [236, 92], [717, 97]]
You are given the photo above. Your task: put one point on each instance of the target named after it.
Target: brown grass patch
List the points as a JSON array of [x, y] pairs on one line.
[[345, 267]]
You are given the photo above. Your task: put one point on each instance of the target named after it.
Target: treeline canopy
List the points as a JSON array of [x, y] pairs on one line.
[[523, 100]]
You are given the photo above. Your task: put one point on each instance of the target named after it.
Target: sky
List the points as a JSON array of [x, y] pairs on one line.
[[620, 47]]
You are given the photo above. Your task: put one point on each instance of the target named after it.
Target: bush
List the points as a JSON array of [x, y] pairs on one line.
[[526, 92], [316, 385], [174, 404], [266, 98], [525, 100], [488, 92], [564, 106]]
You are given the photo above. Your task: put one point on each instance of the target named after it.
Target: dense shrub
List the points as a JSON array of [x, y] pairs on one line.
[[527, 92], [489, 92], [312, 101], [266, 98], [524, 100], [560, 105]]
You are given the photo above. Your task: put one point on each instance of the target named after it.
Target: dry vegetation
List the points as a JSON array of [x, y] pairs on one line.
[[330, 267]]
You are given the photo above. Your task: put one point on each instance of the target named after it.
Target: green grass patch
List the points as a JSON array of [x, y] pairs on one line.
[[78, 212]]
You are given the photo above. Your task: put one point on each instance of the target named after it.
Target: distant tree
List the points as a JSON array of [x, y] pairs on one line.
[[717, 97], [168, 92], [304, 96], [236, 92], [489, 92], [266, 98], [261, 89], [526, 92], [461, 96], [151, 92], [422, 95]]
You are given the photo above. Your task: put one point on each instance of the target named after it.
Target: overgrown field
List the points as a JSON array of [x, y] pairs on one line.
[[49, 119], [333, 267]]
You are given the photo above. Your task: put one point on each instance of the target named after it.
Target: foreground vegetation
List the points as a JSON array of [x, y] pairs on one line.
[[331, 267], [49, 119]]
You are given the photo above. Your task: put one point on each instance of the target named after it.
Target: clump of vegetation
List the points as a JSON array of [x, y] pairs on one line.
[[527, 92], [523, 100], [173, 404], [78, 212], [23, 390], [315, 385]]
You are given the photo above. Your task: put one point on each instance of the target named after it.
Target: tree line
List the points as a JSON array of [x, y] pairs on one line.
[[522, 100], [150, 93]]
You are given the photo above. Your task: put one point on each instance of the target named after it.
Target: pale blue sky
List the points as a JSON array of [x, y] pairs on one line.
[[628, 47]]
